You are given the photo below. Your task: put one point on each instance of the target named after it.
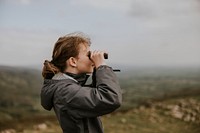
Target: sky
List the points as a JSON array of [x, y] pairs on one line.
[[133, 32]]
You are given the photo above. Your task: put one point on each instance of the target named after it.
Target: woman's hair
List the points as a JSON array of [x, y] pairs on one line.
[[66, 47]]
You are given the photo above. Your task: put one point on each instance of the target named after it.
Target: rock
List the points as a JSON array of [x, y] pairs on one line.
[[184, 109], [41, 126], [8, 131], [123, 120]]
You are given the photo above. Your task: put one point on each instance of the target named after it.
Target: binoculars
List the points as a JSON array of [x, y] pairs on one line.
[[105, 55]]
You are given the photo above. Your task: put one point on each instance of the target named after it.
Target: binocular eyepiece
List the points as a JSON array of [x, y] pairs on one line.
[[105, 55]]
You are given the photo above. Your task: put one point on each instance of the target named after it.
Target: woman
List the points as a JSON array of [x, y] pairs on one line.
[[76, 105]]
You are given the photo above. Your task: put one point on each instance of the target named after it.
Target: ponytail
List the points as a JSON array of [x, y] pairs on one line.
[[65, 47], [49, 70]]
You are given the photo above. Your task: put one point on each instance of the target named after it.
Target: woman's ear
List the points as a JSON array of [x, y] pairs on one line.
[[72, 62]]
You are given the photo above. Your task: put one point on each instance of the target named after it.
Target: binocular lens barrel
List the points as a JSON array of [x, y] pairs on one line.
[[105, 55]]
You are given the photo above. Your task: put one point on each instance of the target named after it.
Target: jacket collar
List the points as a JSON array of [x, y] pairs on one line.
[[79, 78]]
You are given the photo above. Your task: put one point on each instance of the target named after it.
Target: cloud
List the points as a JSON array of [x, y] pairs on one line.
[[163, 8], [152, 32], [121, 5], [25, 2], [19, 46], [22, 2]]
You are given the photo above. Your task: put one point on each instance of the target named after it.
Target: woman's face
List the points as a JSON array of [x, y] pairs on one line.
[[84, 64]]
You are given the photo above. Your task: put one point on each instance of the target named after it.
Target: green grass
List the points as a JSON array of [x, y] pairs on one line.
[[20, 107], [137, 120], [146, 121]]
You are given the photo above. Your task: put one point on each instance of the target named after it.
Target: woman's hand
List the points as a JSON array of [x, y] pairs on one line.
[[98, 58]]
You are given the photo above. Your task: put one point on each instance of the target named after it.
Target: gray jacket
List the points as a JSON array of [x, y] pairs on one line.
[[78, 107]]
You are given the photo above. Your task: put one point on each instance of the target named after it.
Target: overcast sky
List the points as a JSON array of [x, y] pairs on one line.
[[134, 32]]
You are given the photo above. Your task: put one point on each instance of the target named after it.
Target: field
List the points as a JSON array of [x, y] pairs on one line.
[[155, 100]]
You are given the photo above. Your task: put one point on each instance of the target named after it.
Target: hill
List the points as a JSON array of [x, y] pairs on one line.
[[143, 85], [20, 88], [149, 96], [179, 115]]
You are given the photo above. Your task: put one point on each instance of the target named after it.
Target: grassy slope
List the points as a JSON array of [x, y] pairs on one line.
[[137, 120], [19, 98], [19, 89], [142, 85]]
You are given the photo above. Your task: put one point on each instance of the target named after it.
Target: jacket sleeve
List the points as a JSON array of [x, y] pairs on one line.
[[92, 102]]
